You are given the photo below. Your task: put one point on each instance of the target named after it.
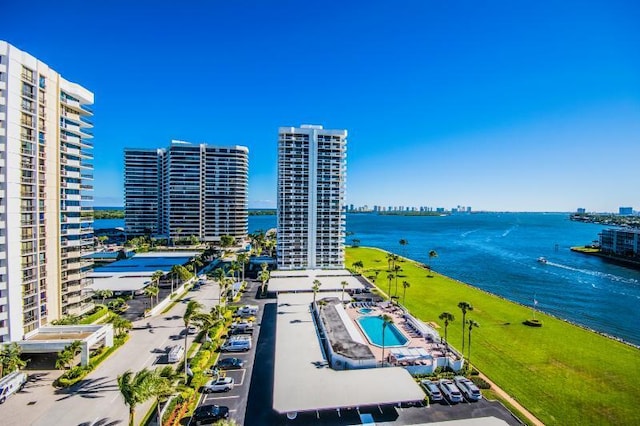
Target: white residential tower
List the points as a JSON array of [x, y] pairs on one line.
[[311, 196], [187, 190], [46, 213]]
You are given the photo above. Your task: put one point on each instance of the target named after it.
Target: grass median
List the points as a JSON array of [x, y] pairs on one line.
[[560, 372]]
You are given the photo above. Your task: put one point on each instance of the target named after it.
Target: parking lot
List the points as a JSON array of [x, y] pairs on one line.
[[251, 400], [236, 399]]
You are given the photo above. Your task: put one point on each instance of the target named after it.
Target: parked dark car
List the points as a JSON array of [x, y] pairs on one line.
[[230, 363], [207, 414]]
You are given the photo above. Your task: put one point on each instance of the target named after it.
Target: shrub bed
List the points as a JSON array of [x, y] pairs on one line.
[[77, 373]]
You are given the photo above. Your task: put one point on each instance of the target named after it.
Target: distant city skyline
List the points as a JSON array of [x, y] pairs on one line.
[[507, 106]]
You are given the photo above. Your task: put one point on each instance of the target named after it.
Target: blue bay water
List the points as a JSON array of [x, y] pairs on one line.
[[498, 252]]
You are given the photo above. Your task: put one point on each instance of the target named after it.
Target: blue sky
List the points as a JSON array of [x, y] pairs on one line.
[[500, 105]]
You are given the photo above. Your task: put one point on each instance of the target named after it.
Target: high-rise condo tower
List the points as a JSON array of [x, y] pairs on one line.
[[46, 213], [187, 190], [311, 195]]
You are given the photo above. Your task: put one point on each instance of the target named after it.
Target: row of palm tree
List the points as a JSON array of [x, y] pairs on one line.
[[448, 317], [263, 241]]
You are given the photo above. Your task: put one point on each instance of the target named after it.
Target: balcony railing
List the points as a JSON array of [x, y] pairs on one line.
[[28, 77]]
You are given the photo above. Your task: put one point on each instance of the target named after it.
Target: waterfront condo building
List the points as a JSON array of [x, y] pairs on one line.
[[187, 190], [311, 196], [46, 216]]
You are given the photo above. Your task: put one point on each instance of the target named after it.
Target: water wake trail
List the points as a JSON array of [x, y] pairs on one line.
[[595, 273], [508, 231]]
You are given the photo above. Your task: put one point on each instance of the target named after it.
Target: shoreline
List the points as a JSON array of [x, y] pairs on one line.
[[622, 261], [544, 369], [584, 327]]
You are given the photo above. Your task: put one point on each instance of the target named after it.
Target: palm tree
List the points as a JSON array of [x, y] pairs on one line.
[[270, 243], [161, 388], [397, 268], [120, 325], [447, 318], [219, 275], [344, 285], [235, 267], [472, 324], [68, 354], [358, 265], [386, 320], [403, 243], [135, 389], [243, 258], [196, 263], [10, 358], [151, 291], [64, 359], [390, 278], [155, 277], [257, 241], [192, 308], [432, 254], [355, 242], [175, 272], [315, 288], [206, 322], [464, 307], [390, 260], [405, 285], [263, 276], [104, 294]]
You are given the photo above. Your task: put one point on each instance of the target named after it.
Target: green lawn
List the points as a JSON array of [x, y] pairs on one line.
[[560, 372]]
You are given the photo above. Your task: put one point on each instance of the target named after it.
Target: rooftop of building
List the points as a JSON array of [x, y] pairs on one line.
[[302, 280], [134, 274], [304, 382]]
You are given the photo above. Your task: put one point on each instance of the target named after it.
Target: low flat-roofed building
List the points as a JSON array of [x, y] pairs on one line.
[[131, 275], [303, 381]]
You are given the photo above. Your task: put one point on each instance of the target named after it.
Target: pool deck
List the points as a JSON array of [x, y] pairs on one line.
[[436, 349]]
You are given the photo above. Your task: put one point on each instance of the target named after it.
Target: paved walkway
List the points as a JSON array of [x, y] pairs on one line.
[[530, 417]]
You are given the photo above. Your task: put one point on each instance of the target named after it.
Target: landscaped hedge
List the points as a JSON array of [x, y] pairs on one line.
[[480, 382], [95, 315], [77, 373]]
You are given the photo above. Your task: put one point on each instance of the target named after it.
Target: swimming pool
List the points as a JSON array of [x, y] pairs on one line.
[[365, 311], [371, 326]]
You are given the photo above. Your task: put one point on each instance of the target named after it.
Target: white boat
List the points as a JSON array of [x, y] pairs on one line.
[[542, 260]]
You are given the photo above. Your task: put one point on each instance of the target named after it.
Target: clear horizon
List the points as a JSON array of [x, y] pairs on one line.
[[498, 106]]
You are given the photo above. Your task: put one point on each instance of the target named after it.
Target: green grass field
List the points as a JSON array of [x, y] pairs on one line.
[[560, 372]]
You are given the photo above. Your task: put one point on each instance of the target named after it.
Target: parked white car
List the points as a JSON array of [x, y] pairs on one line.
[[468, 388], [222, 384], [242, 327], [247, 310], [450, 391]]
